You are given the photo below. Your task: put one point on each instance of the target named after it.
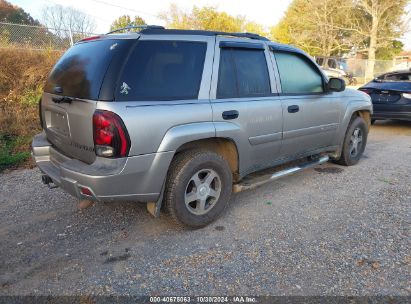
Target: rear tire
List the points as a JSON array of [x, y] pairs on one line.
[[354, 142], [198, 188]]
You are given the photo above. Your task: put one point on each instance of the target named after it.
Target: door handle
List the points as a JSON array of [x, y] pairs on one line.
[[293, 109], [232, 114]]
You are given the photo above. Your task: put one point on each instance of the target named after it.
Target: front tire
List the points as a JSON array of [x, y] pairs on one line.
[[198, 188], [354, 142]]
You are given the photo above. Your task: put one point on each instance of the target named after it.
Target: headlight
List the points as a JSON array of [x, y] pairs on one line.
[[406, 95]]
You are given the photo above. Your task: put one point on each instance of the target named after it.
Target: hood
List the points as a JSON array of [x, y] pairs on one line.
[[358, 95]]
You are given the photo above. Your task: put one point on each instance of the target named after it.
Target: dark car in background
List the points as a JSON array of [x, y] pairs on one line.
[[391, 95]]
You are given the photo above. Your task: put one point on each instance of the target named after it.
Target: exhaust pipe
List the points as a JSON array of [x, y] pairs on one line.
[[48, 181]]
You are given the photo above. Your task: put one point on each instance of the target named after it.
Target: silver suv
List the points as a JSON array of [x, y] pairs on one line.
[[179, 119]]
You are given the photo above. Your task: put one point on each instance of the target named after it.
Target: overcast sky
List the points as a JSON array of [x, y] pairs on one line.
[[266, 12]]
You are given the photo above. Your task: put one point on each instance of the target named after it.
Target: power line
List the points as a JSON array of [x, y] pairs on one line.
[[123, 7]]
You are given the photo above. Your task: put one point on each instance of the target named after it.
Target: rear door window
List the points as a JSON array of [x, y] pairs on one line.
[[162, 70], [243, 73], [297, 74], [80, 71]]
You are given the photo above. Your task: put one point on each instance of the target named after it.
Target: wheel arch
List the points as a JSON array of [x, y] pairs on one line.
[[364, 114], [352, 112], [226, 147]]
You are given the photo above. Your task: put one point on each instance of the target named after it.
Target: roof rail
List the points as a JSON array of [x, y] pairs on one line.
[[163, 31], [130, 27]]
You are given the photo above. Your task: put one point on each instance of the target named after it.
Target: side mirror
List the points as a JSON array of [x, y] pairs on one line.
[[336, 84]]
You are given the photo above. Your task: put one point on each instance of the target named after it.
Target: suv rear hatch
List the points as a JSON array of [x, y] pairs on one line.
[[78, 80]]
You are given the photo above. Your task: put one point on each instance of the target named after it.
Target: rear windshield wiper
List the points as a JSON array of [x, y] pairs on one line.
[[63, 99]]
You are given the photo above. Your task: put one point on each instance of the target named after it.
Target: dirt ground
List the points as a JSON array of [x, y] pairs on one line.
[[329, 230]]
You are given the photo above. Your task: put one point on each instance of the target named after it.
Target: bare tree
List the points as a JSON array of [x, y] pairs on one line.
[[67, 21], [375, 24], [314, 26]]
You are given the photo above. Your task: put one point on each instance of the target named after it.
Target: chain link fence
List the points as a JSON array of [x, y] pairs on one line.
[[38, 37], [358, 67], [359, 71]]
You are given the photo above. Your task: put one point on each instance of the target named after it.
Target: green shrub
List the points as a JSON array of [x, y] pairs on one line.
[[31, 96], [10, 156]]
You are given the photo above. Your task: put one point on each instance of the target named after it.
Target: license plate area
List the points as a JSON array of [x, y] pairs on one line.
[[57, 122], [386, 97]]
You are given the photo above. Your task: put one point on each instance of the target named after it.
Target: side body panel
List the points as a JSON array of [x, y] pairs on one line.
[[257, 131], [314, 125]]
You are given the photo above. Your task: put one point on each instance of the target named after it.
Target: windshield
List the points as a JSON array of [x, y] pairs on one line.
[[80, 71]]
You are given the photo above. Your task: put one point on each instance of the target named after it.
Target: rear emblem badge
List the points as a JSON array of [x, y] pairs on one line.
[[124, 88]]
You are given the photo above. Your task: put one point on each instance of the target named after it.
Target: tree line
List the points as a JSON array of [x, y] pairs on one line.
[[371, 28], [320, 27], [59, 26]]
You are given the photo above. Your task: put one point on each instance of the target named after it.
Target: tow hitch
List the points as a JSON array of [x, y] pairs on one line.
[[48, 181]]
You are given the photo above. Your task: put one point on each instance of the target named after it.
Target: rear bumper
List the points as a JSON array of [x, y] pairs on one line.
[[135, 178], [391, 115]]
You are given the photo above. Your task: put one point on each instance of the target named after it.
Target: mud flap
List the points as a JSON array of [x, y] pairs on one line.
[[154, 207]]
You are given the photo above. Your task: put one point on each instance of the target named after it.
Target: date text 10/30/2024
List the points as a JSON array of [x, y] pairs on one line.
[[203, 299]]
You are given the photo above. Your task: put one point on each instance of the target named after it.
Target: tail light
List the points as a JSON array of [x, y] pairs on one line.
[[110, 135], [407, 95]]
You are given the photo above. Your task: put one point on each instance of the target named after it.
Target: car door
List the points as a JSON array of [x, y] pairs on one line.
[[311, 115], [245, 102]]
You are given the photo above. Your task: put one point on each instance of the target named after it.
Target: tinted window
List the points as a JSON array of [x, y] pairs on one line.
[[242, 73], [297, 74], [319, 61], [162, 70], [80, 71]]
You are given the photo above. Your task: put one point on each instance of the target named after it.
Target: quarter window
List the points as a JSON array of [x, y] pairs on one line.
[[243, 73], [297, 74], [162, 70]]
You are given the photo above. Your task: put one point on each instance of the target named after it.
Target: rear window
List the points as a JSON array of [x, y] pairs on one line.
[[80, 71], [162, 70], [395, 77]]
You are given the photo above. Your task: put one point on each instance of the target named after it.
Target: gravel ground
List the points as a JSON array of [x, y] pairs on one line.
[[330, 230]]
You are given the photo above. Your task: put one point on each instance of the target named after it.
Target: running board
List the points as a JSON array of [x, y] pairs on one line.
[[251, 182]]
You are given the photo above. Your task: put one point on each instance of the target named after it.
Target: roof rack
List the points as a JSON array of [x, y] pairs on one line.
[[159, 30], [128, 28]]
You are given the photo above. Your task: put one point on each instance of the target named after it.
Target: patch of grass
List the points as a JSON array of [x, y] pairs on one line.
[[31, 97], [11, 155], [23, 73]]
